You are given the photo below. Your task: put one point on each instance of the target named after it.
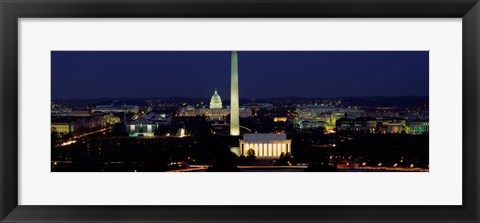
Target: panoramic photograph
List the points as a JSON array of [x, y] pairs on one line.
[[239, 111]]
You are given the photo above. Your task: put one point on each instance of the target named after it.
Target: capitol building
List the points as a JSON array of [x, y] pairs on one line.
[[216, 101], [215, 112]]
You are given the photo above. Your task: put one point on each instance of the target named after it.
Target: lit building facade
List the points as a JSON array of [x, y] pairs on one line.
[[146, 125], [70, 113], [324, 114], [215, 112], [280, 119], [419, 127], [116, 108], [189, 111], [141, 129], [311, 125], [356, 124], [314, 111], [212, 114], [384, 126], [265, 145], [216, 101], [73, 124], [63, 128], [396, 127], [110, 119]]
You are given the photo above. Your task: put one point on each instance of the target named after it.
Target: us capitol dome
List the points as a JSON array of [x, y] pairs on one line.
[[216, 101]]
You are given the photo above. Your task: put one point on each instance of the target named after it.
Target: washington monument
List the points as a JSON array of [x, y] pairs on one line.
[[234, 101]]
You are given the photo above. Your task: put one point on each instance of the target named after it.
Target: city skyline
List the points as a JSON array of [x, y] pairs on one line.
[[266, 74], [280, 135]]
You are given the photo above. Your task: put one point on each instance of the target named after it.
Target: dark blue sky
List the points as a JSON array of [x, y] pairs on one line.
[[262, 74]]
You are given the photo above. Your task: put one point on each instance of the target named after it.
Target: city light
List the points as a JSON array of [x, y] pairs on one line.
[[179, 122], [68, 142]]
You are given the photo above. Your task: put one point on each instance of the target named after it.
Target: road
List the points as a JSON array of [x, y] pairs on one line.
[[201, 168], [74, 138]]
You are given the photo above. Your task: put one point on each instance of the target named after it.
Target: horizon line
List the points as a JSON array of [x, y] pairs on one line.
[[252, 98]]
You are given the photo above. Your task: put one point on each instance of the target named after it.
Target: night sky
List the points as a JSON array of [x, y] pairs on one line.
[[262, 74]]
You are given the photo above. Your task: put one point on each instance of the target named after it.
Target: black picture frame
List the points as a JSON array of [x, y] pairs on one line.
[[12, 10]]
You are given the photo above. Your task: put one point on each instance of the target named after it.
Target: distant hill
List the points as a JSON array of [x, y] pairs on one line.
[[381, 101], [373, 101]]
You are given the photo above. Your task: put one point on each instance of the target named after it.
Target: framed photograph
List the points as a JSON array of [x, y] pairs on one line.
[[227, 111]]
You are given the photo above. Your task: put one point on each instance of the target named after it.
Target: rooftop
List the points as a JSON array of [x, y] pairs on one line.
[[265, 136], [115, 106]]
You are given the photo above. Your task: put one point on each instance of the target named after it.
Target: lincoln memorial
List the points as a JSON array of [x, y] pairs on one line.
[[265, 145]]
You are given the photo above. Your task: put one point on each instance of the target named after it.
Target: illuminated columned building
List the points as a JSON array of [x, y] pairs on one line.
[[265, 145]]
